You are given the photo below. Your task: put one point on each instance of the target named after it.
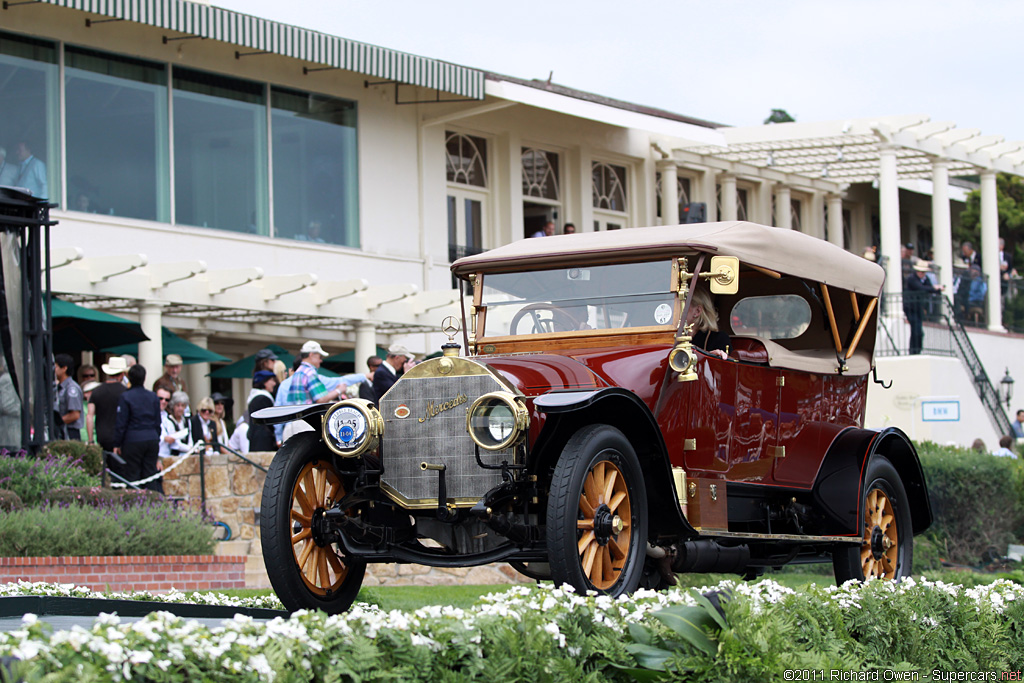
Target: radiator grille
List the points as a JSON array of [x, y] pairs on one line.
[[438, 440]]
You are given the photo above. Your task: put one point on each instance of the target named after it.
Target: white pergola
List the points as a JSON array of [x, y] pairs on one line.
[[244, 302], [833, 154]]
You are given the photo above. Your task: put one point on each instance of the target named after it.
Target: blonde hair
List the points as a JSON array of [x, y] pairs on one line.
[[205, 404], [280, 370], [708, 320]]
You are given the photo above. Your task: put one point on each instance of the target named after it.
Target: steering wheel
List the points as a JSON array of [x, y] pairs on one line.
[[556, 320]]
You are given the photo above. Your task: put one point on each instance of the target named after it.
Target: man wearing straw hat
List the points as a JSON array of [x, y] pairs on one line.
[[102, 412]]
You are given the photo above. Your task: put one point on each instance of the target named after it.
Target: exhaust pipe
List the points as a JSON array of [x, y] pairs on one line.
[[706, 555]]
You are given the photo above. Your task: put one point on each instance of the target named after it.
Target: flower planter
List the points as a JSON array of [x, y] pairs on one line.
[[140, 572]]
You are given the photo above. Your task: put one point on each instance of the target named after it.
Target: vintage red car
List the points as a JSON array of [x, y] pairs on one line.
[[594, 429]]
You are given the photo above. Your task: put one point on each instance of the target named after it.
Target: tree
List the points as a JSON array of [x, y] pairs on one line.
[[779, 116], [1010, 205]]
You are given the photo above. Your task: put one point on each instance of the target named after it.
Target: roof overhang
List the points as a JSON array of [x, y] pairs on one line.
[[244, 301], [253, 33], [850, 151]]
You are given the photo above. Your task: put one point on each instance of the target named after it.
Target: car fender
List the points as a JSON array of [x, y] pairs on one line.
[[567, 411], [839, 486], [311, 413]]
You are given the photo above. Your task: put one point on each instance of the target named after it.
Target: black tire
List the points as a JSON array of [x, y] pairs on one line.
[[594, 543], [306, 572], [887, 547]]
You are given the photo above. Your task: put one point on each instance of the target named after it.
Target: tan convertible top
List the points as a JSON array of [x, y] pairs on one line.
[[786, 251]]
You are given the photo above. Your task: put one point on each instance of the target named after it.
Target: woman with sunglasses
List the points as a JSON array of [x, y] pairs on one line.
[[204, 428]]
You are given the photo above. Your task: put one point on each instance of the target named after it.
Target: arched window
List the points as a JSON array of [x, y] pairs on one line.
[[466, 159], [540, 174], [609, 186]]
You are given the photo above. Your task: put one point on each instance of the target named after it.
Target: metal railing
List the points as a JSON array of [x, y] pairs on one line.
[[943, 335]]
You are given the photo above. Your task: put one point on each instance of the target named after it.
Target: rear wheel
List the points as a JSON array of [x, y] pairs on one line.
[[597, 513], [886, 550], [306, 570]]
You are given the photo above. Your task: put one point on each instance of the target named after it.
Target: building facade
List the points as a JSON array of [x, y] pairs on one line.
[[243, 182]]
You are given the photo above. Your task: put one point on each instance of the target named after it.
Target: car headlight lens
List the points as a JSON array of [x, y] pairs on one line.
[[497, 420], [352, 427]]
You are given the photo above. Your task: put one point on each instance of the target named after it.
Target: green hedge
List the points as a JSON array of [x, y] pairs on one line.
[[91, 455], [977, 502], [33, 477], [77, 530]]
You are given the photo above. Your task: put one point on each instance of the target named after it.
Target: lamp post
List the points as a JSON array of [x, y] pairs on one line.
[[1006, 388]]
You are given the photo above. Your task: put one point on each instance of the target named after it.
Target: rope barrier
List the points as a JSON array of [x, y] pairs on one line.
[[182, 458]]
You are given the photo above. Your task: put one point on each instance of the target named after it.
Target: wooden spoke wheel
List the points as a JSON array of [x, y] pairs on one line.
[[317, 487], [604, 524], [880, 549], [306, 566], [597, 505], [886, 550]]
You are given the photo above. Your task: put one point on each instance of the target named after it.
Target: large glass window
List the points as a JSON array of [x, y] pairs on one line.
[[116, 127], [220, 152], [29, 125], [316, 194]]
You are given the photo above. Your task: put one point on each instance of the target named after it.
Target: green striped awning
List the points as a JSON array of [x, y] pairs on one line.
[[291, 41]]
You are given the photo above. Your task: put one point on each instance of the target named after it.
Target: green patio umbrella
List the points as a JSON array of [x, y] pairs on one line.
[[172, 343], [350, 356], [244, 368], [77, 328]]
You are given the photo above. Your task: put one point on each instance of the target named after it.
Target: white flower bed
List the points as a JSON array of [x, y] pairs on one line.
[[68, 590], [310, 641]]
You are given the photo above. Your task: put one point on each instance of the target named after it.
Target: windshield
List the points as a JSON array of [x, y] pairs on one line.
[[611, 297]]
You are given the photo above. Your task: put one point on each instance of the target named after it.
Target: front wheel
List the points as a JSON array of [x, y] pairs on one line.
[[886, 550], [306, 570], [597, 514]]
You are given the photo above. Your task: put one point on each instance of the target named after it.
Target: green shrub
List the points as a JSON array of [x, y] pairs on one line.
[[90, 454], [97, 496], [977, 503], [76, 530], [9, 501], [33, 477]]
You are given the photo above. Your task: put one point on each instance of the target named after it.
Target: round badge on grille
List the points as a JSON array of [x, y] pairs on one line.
[[445, 366], [402, 411]]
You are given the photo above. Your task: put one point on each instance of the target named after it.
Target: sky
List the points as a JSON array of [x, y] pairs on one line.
[[726, 61]]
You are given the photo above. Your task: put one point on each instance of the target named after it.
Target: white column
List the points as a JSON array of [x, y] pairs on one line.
[[151, 353], [889, 208], [990, 249], [729, 206], [942, 230], [763, 213], [366, 343], [709, 192], [835, 220], [669, 192], [783, 207], [197, 378]]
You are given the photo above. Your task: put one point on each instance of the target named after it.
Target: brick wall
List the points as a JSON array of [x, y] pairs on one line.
[[149, 573]]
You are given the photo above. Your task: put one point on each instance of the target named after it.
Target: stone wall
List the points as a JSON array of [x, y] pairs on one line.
[[234, 491]]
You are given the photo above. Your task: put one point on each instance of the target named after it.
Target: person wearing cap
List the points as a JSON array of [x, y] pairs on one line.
[[387, 372], [102, 411], [172, 378], [261, 436], [917, 289], [306, 385], [264, 360]]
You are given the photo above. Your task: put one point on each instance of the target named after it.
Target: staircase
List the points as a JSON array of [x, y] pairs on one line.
[[944, 335], [255, 571]]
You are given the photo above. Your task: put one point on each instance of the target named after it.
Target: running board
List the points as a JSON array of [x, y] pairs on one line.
[[783, 537]]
